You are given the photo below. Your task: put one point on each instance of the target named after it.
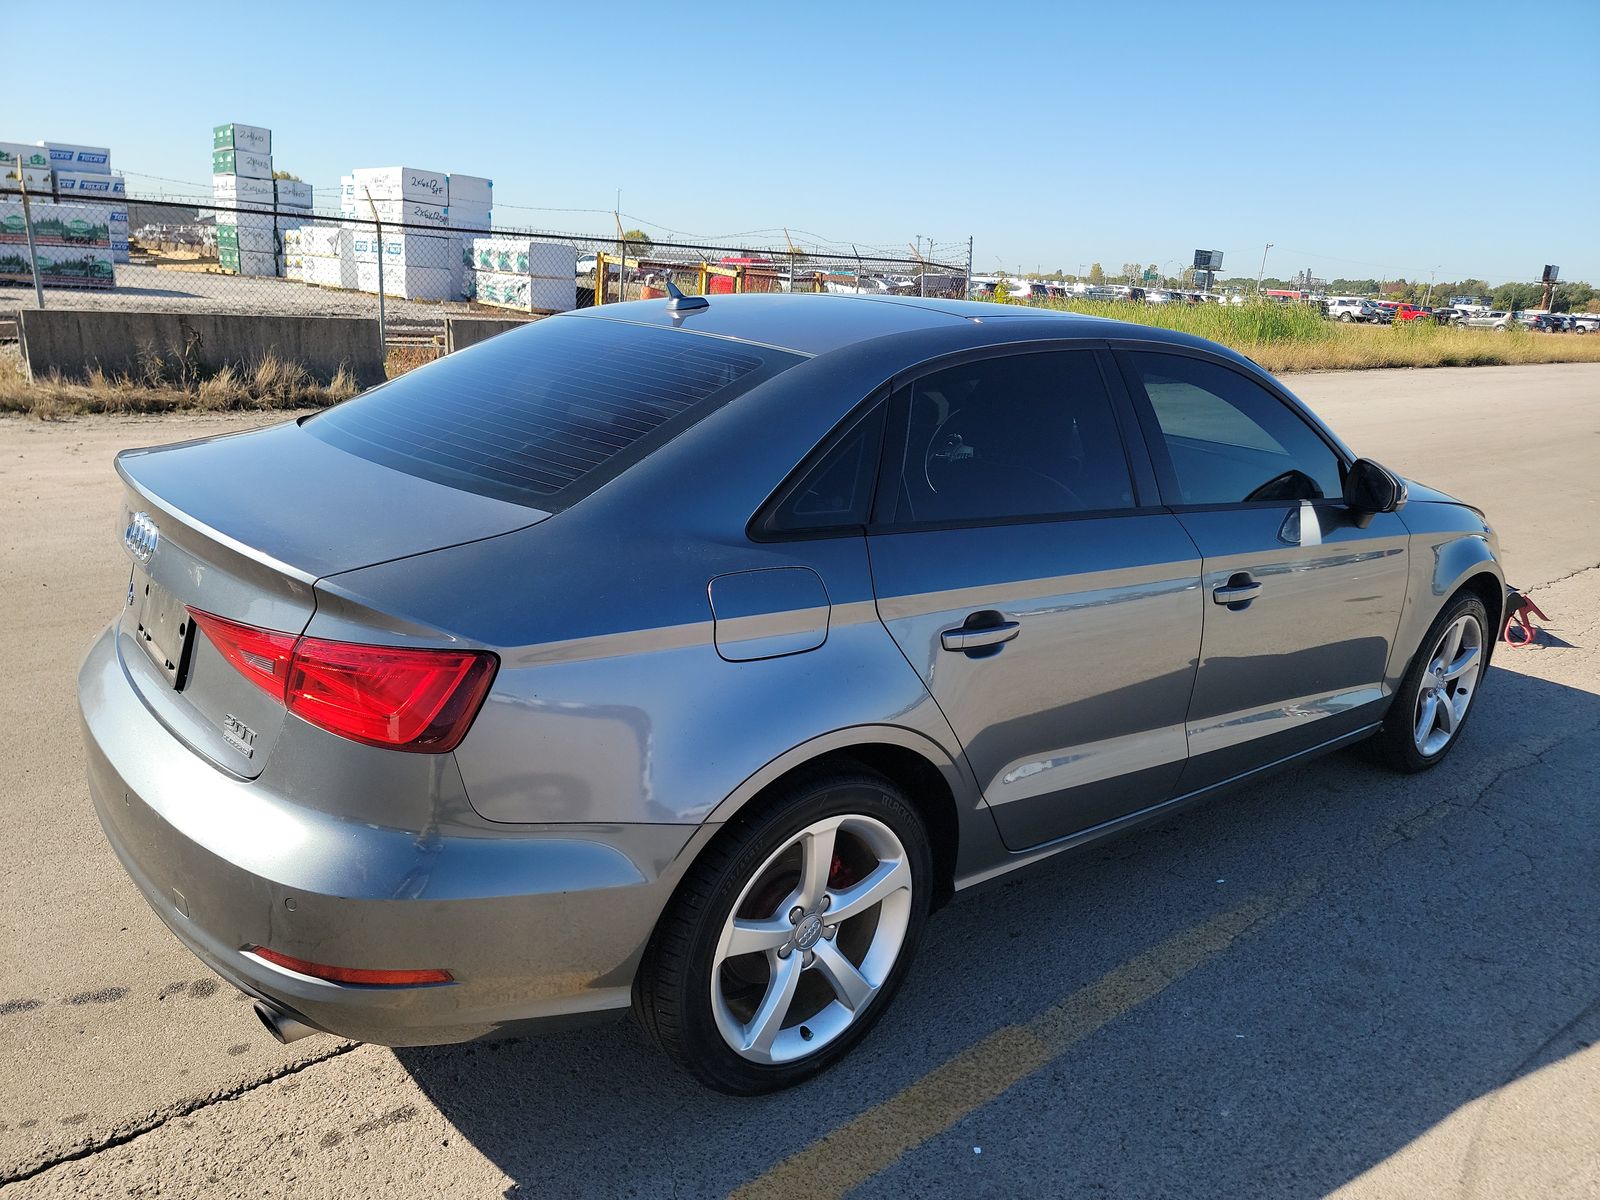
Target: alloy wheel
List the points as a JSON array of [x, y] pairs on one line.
[[1448, 684], [811, 939]]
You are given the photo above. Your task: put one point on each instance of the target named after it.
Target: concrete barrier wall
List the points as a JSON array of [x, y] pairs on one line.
[[461, 332], [122, 343]]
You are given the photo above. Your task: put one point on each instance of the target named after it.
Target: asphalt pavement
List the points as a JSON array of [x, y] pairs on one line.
[[1341, 981]]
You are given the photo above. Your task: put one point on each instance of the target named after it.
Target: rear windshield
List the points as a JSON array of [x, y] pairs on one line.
[[543, 415]]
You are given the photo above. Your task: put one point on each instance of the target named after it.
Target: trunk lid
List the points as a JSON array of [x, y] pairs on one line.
[[243, 526]]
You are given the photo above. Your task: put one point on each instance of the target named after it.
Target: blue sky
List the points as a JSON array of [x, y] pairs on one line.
[[1362, 140]]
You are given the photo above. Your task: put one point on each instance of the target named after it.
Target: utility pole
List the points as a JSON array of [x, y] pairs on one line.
[[1262, 273], [622, 253], [377, 236], [27, 225], [966, 289], [1428, 295]]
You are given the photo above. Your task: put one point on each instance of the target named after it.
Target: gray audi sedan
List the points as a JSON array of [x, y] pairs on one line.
[[684, 656]]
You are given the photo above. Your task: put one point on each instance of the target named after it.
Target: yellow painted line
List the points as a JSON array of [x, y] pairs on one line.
[[841, 1161]]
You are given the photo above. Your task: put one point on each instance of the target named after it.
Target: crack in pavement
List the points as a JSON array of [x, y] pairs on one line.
[[1563, 578], [172, 1112]]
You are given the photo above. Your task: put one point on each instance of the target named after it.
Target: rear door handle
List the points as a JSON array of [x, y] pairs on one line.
[[1240, 589], [967, 638]]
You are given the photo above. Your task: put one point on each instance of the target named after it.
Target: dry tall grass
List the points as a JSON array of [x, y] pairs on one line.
[[1281, 338], [1360, 347], [270, 383], [1293, 337], [401, 359]]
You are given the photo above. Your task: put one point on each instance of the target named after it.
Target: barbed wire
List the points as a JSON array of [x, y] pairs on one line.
[[807, 241], [205, 255]]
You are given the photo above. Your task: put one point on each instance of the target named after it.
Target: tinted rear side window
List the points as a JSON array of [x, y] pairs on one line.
[[543, 415], [1018, 436], [837, 492]]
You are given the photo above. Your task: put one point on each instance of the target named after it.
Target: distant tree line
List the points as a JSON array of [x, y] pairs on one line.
[[1570, 297]]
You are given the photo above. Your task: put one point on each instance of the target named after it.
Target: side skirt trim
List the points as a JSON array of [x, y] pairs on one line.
[[1095, 833]]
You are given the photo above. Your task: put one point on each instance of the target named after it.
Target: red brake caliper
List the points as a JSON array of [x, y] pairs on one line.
[[839, 875]]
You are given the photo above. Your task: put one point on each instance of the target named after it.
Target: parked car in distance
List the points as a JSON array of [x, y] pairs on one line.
[[1497, 319], [937, 285], [860, 285], [1351, 309], [1585, 323], [684, 655], [1412, 312]]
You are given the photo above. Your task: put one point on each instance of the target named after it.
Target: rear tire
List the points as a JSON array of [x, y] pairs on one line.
[[1436, 695], [743, 1021]]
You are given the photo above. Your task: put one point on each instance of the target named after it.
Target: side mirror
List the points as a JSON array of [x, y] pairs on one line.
[[1370, 488]]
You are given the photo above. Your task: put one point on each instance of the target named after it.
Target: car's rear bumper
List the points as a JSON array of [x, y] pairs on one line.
[[535, 925]]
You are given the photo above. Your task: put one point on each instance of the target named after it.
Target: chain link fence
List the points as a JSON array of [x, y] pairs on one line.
[[409, 273]]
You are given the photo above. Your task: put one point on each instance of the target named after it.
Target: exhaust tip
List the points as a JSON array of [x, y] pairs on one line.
[[281, 1025]]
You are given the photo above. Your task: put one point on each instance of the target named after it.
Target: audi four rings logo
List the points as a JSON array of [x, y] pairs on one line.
[[141, 537]]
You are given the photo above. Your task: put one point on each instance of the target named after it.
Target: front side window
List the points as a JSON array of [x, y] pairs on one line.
[[1021, 436], [1230, 440]]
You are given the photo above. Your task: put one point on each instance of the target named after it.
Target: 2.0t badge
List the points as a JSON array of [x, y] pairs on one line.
[[239, 735]]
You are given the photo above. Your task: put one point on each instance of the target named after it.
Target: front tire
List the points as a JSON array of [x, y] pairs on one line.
[[790, 935], [1435, 698]]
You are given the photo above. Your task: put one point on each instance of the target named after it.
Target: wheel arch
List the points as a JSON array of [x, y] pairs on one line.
[[1491, 589], [1468, 563], [933, 781], [1455, 561]]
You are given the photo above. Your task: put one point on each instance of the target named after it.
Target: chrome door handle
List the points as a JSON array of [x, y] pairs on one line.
[[1239, 590], [967, 638]]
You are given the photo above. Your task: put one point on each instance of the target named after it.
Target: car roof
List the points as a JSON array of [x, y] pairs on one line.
[[816, 324]]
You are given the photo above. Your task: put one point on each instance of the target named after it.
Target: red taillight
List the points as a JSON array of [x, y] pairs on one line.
[[260, 655], [386, 696], [389, 696], [351, 974]]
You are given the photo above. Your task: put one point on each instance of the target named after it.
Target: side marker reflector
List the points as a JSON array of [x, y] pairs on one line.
[[361, 975]]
